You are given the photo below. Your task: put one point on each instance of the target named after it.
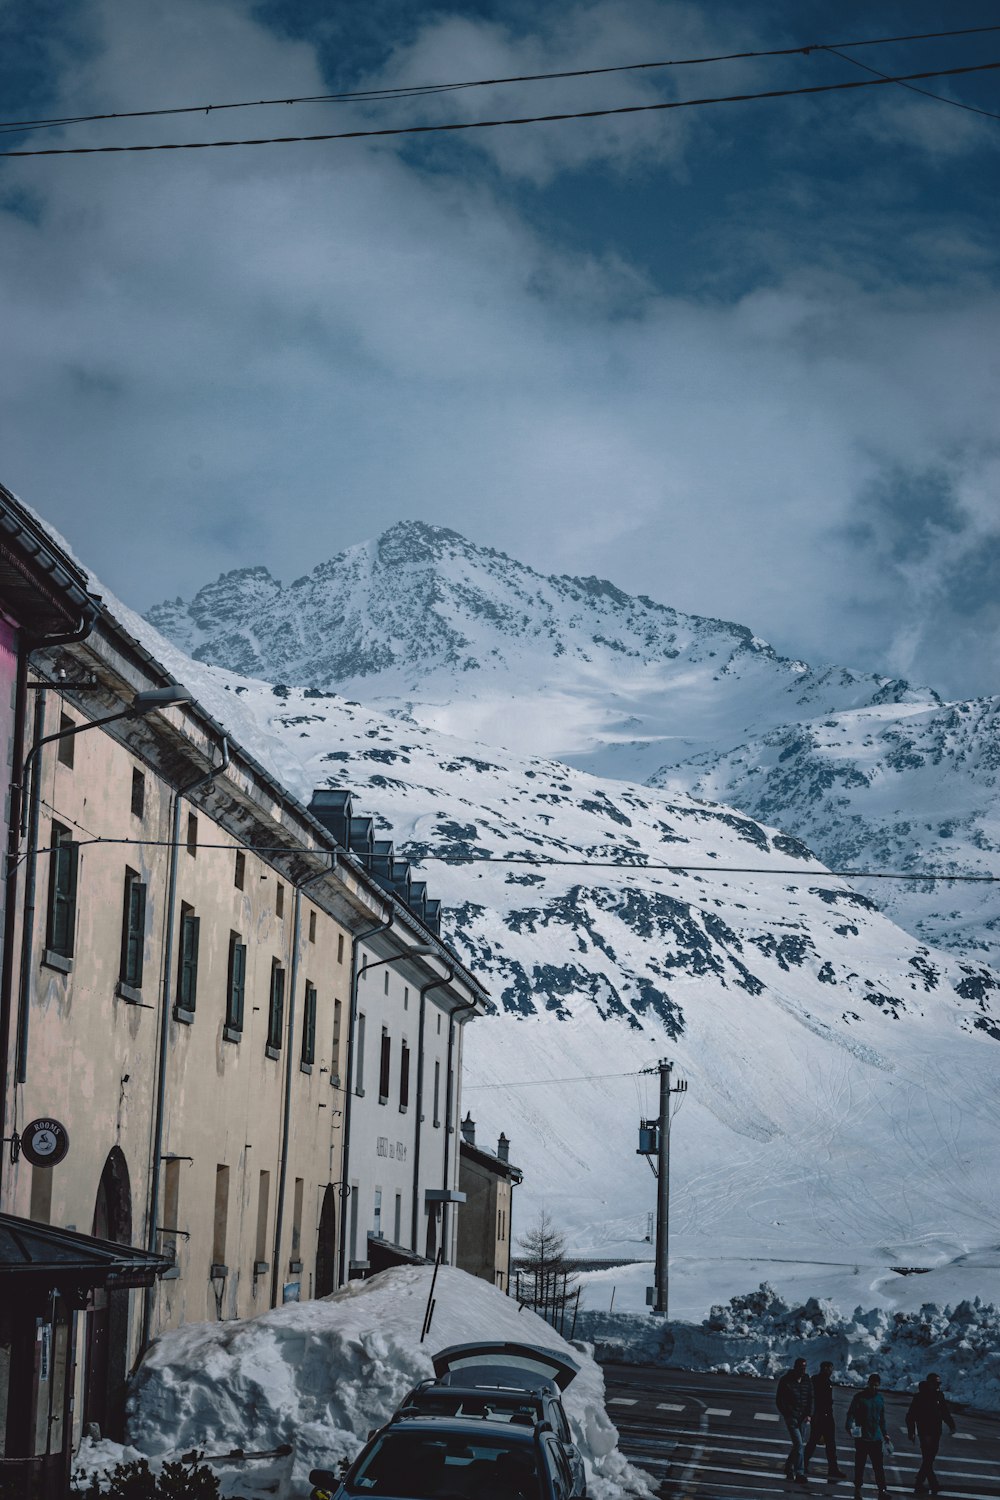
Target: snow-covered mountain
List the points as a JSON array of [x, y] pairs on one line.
[[457, 635], [867, 770], [821, 1042]]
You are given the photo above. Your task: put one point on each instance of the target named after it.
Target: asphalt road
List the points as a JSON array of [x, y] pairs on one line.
[[718, 1437]]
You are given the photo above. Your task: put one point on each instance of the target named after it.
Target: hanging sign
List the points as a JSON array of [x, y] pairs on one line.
[[45, 1142]]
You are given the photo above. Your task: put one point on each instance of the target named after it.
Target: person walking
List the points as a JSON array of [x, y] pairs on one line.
[[822, 1428], [794, 1400], [866, 1424], [928, 1413]]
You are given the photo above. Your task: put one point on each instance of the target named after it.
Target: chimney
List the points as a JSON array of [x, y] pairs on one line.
[[469, 1129], [503, 1147]]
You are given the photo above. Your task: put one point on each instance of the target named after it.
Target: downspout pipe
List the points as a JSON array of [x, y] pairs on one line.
[[425, 990], [449, 1113], [286, 1114], [27, 646], [345, 1171], [161, 1072]]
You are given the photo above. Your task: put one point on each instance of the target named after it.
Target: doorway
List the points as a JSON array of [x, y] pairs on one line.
[[326, 1244], [108, 1316]]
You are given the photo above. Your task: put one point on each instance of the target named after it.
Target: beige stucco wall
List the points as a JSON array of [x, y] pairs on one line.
[[92, 1056]]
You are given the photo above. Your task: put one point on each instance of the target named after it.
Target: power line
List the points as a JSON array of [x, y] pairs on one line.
[[529, 1083], [927, 93], [543, 864], [410, 91], [618, 864], [455, 125]]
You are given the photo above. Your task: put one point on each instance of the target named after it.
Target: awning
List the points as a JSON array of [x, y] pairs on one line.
[[35, 1252]]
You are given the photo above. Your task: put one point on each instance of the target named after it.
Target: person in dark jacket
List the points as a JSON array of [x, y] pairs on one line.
[[822, 1428], [794, 1400], [928, 1413], [866, 1424]]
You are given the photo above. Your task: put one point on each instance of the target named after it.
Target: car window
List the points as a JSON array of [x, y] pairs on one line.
[[447, 1466], [562, 1479], [557, 1416]]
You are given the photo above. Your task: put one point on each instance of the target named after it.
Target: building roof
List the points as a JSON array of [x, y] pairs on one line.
[[492, 1163], [41, 586], [30, 536], [70, 1260]]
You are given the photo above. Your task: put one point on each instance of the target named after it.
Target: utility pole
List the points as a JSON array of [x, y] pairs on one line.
[[654, 1140]]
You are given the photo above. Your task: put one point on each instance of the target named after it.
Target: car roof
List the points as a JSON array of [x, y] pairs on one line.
[[466, 1427], [509, 1358], [482, 1392]]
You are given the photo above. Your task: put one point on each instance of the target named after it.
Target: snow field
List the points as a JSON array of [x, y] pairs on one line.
[[761, 1334]]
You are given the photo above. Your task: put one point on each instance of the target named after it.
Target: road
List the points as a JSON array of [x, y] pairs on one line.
[[718, 1437]]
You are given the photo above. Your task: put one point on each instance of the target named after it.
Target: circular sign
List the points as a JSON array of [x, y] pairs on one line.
[[45, 1142]]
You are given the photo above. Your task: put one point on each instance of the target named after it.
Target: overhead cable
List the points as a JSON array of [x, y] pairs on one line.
[[410, 91], [456, 125], [927, 93]]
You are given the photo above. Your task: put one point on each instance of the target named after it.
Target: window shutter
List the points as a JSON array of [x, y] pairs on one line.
[[188, 989], [135, 930], [239, 983]]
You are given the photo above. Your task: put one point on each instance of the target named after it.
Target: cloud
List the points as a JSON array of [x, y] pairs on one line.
[[220, 358]]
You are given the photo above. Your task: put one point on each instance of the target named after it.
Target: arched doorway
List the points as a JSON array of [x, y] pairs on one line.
[[326, 1244], [107, 1319]]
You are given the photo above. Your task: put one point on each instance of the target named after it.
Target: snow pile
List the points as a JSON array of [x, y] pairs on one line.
[[320, 1375], [760, 1334]]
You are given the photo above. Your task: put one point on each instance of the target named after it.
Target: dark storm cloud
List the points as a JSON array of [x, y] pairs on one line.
[[749, 371]]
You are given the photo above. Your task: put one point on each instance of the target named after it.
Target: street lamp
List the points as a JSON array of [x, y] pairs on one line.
[[143, 703], [419, 950]]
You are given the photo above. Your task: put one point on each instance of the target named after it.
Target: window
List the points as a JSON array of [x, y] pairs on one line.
[[279, 900], [404, 1076], [337, 1011], [263, 1202], [397, 1219], [240, 873], [62, 892], [235, 987], [192, 835], [340, 947], [359, 1063], [377, 1214], [309, 1026], [437, 1090], [385, 982], [221, 1219], [133, 930], [383, 1071], [297, 1197], [439, 1025], [406, 998], [275, 1009], [312, 926], [67, 747], [187, 962], [138, 793]]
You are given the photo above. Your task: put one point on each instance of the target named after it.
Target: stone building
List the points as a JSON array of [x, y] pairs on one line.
[[487, 1180], [190, 955]]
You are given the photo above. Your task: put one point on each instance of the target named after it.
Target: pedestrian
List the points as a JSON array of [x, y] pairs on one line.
[[866, 1424], [928, 1413], [794, 1400], [822, 1428]]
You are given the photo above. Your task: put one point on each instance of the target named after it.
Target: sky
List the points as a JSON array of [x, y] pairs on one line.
[[742, 358]]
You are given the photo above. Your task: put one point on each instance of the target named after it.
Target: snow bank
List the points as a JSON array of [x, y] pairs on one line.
[[760, 1334], [319, 1375]]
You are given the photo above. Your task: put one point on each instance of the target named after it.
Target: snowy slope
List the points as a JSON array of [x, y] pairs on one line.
[[821, 1042], [894, 787]]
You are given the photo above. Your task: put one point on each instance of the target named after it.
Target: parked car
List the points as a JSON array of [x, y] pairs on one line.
[[454, 1458], [520, 1379]]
